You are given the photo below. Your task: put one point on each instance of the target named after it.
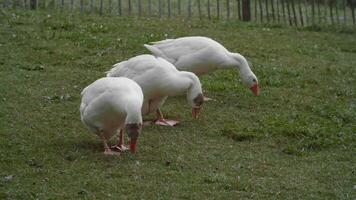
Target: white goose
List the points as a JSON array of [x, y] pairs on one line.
[[202, 55], [112, 104], [158, 80]]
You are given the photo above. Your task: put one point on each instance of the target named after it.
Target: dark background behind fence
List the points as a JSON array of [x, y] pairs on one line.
[[291, 12]]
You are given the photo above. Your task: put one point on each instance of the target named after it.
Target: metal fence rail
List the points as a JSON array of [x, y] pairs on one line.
[[291, 12]]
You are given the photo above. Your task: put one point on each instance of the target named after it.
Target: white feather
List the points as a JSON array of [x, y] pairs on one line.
[[201, 55], [110, 103], [158, 79]]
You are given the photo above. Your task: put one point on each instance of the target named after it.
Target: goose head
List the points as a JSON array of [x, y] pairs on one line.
[[133, 122], [196, 104], [251, 82], [133, 131], [195, 96], [247, 76]]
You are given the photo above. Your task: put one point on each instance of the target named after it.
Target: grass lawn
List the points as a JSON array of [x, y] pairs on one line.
[[297, 140]]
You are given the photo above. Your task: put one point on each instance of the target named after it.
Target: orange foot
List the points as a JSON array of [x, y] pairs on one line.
[[119, 148], [111, 153], [166, 122]]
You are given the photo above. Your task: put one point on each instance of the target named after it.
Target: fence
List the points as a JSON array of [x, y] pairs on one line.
[[291, 12]]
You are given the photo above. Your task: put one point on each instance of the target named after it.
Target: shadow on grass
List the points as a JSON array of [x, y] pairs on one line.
[[73, 148], [304, 146], [236, 136]]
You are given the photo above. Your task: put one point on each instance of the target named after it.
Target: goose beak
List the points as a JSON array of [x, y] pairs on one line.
[[255, 89], [133, 145], [195, 112]]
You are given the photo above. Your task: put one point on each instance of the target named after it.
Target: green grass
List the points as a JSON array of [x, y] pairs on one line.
[[295, 141]]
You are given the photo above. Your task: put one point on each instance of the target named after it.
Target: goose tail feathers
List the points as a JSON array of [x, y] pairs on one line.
[[114, 71], [157, 52]]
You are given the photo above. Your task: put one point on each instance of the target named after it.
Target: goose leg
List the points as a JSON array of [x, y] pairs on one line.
[[107, 151], [147, 123], [120, 146], [164, 122], [146, 107]]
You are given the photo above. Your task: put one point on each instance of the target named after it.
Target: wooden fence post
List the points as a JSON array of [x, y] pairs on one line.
[[300, 13], [33, 4], [227, 9], [208, 7], [81, 6], [344, 9], [352, 6], [169, 8], [325, 5], [255, 11], [273, 14], [189, 9], [313, 12], [277, 10], [289, 15], [239, 9], [130, 7], [294, 14], [179, 7], [62, 5], [139, 8], [110, 6], [267, 12], [306, 13], [160, 8], [283, 11], [101, 8], [319, 11], [149, 8], [246, 10], [261, 10], [91, 6], [199, 10], [218, 8], [119, 7], [337, 13], [331, 12]]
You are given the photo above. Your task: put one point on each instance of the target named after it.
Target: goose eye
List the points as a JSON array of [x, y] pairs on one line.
[[254, 80], [198, 101]]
